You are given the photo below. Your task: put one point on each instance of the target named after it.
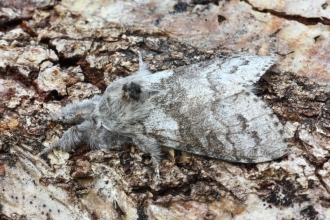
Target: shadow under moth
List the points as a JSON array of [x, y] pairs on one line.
[[207, 109]]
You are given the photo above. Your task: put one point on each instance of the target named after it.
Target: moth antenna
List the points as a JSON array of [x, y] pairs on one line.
[[142, 65]]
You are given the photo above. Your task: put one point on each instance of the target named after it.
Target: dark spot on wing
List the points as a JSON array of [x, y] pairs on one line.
[[255, 137], [246, 62], [152, 93], [228, 138], [243, 121], [233, 70]]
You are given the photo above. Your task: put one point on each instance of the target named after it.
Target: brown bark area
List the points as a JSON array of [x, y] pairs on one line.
[[52, 53]]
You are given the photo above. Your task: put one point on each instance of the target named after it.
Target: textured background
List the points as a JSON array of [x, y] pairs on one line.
[[53, 52]]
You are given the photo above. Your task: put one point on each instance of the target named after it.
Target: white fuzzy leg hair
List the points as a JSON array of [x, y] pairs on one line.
[[69, 140], [77, 111]]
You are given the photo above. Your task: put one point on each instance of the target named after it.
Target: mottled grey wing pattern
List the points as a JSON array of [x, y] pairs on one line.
[[209, 109]]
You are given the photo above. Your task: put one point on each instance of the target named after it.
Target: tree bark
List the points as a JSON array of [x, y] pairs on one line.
[[55, 52]]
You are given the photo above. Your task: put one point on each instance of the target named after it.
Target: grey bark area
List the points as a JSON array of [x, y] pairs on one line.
[[51, 56]]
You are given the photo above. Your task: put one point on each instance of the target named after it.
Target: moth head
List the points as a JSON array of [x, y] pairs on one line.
[[131, 91]]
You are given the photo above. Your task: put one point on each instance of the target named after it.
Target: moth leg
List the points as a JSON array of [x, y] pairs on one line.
[[69, 140], [78, 111], [102, 138], [150, 146], [48, 149], [98, 139]]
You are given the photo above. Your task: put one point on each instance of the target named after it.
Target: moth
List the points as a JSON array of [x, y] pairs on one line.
[[206, 109]]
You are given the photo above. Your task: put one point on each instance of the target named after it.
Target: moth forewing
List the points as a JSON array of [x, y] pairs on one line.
[[209, 110]]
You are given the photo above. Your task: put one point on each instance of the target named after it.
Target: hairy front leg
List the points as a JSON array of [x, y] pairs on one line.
[[149, 145], [69, 140]]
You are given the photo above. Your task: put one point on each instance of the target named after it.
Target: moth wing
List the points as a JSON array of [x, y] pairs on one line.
[[242, 70], [208, 110]]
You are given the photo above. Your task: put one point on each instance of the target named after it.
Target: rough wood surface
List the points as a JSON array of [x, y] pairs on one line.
[[54, 52]]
